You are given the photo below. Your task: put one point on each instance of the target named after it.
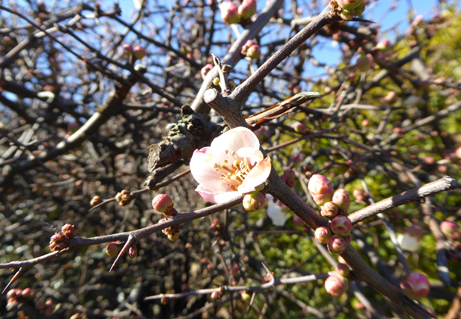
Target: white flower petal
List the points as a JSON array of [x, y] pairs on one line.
[[234, 140], [253, 154], [256, 176], [201, 166], [216, 197], [408, 242], [276, 214]]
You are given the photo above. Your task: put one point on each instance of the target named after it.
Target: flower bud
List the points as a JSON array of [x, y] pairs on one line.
[[254, 52], [127, 49], [114, 248], [247, 9], [336, 285], [341, 225], [68, 230], [342, 199], [253, 201], [322, 234], [383, 45], [336, 244], [229, 12], [95, 201], [415, 285], [343, 270], [207, 68], [300, 128], [139, 52], [390, 97], [408, 242], [320, 188], [349, 4], [448, 227], [329, 210], [162, 203], [133, 252]]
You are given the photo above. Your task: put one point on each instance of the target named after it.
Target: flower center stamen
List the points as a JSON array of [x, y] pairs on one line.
[[234, 174]]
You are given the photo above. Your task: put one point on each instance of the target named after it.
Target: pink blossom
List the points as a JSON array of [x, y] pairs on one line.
[[233, 165]]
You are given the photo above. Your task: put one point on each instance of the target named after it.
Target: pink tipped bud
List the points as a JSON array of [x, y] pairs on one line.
[[448, 228], [254, 52], [329, 210], [383, 45], [114, 248], [162, 203], [300, 128], [253, 201], [343, 270], [336, 285], [207, 68], [390, 97], [133, 252], [127, 49], [139, 52], [246, 295], [247, 9], [342, 199], [341, 226], [229, 12], [322, 234], [336, 244], [298, 221], [415, 285], [320, 188]]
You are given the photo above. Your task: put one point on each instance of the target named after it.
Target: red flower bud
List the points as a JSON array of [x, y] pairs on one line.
[[133, 252], [342, 199], [162, 203], [415, 285], [329, 210], [253, 201], [336, 245], [341, 225], [322, 234], [320, 188], [336, 285]]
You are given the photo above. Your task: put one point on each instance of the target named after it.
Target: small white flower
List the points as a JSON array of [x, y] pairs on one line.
[[408, 242], [276, 214]]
